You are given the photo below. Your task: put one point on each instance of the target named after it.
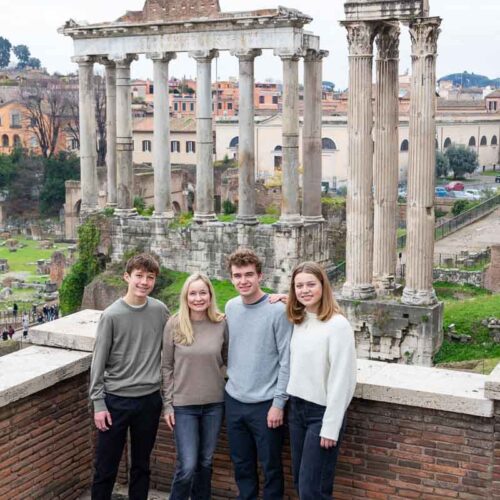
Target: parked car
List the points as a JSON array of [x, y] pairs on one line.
[[475, 194], [459, 195], [454, 186], [440, 192]]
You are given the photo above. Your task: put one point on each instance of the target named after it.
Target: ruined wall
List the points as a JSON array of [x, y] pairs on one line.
[[475, 278], [46, 443]]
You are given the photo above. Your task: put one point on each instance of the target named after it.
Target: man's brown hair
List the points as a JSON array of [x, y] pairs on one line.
[[244, 257], [143, 262]]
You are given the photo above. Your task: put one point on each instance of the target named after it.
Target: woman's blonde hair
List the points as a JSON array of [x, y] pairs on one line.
[[183, 329], [328, 306]]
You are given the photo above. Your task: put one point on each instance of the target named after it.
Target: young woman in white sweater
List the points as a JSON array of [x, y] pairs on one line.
[[322, 380]]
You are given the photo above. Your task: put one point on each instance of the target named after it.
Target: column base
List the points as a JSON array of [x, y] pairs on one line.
[[88, 210], [313, 219], [291, 220], [202, 218], [414, 297], [125, 213], [384, 285], [110, 204], [363, 291], [248, 220], [163, 215]]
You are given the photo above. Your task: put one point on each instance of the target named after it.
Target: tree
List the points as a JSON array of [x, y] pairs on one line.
[[34, 62], [60, 168], [5, 47], [442, 164], [23, 55], [462, 160], [46, 103]]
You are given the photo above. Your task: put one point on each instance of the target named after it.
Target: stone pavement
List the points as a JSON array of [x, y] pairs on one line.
[[120, 493]]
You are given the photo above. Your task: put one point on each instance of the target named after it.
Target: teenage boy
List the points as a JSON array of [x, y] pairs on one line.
[[258, 370], [125, 380]]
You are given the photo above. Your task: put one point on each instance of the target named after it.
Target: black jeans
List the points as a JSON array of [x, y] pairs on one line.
[[250, 439], [142, 416], [313, 466]]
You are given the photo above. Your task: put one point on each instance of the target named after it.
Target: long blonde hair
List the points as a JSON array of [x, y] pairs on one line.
[[328, 306], [183, 329]]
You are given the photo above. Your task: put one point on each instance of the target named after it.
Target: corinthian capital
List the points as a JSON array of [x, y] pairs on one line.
[[424, 36], [360, 35], [388, 41], [315, 55]]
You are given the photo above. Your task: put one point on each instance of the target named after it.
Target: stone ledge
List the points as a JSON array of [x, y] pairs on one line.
[[76, 331], [438, 389], [36, 368], [492, 385]]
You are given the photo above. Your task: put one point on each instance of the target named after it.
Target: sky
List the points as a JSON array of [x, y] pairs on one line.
[[470, 37]]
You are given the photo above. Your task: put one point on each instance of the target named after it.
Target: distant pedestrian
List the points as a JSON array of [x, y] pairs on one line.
[[26, 324], [15, 309], [5, 334], [11, 332]]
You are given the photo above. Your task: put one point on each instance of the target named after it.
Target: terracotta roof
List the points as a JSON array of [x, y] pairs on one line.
[[495, 93], [176, 124]]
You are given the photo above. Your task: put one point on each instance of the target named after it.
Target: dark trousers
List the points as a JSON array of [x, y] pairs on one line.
[[196, 431], [140, 415], [313, 466], [250, 439]]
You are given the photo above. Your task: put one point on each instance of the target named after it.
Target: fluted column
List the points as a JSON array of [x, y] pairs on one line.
[[124, 141], [110, 130], [87, 123], [246, 142], [290, 209], [161, 137], [311, 136], [386, 159], [359, 245], [204, 211], [421, 166]]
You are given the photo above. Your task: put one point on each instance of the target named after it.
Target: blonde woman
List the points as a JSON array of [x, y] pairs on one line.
[[194, 352], [322, 380]]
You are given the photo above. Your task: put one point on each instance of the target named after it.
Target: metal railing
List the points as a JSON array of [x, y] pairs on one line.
[[336, 274]]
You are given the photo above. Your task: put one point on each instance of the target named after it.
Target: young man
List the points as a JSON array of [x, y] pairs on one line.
[[125, 380], [258, 369]]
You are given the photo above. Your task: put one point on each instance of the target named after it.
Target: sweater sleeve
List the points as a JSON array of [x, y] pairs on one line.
[[102, 347], [341, 378], [167, 367], [282, 335]]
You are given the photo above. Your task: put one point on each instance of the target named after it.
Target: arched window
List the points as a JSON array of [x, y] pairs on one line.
[[5, 141], [484, 141], [146, 146], [494, 141], [472, 142], [447, 143], [234, 143], [405, 145], [17, 141], [328, 144]]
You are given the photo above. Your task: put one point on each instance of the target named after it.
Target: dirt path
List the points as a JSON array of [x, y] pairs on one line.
[[477, 236]]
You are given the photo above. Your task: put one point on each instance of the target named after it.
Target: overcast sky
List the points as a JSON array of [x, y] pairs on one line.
[[470, 38]]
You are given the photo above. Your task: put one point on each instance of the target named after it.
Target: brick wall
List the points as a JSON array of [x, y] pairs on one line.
[[46, 444]]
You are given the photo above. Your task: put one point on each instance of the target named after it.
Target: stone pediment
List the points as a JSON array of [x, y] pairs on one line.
[[173, 10]]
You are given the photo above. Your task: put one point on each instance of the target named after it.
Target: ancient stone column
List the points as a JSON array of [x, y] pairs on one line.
[[111, 130], [161, 137], [311, 136], [88, 153], [124, 141], [246, 142], [386, 159], [204, 204], [421, 165], [290, 209], [359, 245]]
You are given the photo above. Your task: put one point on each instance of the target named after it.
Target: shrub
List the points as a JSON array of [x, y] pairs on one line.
[[228, 207]]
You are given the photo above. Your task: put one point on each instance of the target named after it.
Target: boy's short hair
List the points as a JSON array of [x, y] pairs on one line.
[[144, 262], [244, 257]]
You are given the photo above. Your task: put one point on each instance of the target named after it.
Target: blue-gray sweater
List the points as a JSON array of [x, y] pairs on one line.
[[259, 352]]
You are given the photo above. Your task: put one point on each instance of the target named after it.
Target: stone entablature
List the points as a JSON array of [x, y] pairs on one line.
[[369, 10]]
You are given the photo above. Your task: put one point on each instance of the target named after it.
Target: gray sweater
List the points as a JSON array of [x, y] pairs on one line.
[[127, 351], [259, 352]]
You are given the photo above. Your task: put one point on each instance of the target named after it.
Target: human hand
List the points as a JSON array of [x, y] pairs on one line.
[[274, 417], [327, 443], [170, 419], [278, 297], [102, 420]]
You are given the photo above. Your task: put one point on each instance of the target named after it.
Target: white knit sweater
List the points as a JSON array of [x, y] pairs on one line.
[[323, 367]]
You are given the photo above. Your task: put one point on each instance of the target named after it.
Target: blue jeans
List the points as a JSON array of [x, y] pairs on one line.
[[313, 466], [196, 431], [250, 438], [141, 416]]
